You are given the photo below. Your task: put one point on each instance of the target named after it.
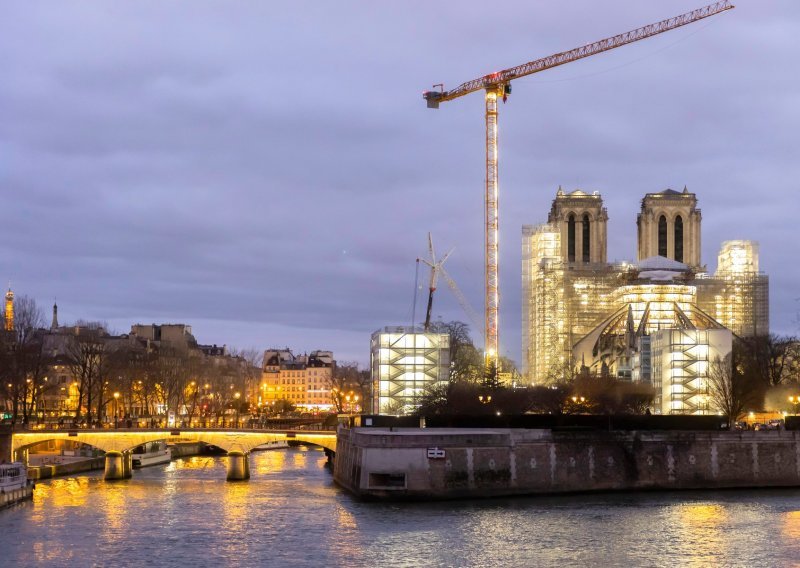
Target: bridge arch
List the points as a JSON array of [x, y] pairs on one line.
[[119, 444]]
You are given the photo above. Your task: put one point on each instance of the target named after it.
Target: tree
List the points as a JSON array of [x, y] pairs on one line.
[[491, 379], [23, 359], [730, 391], [88, 362], [770, 359], [466, 361], [348, 380]]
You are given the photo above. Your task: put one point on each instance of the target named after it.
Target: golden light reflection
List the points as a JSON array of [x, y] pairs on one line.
[[703, 515], [116, 495], [65, 492], [790, 527], [702, 531], [345, 519], [264, 463]]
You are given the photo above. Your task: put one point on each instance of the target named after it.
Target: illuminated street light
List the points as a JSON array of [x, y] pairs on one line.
[[116, 416], [795, 400]]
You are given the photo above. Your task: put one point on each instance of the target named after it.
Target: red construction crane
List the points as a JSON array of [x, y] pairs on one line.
[[498, 85]]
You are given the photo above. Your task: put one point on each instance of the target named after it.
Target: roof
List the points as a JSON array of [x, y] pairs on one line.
[[661, 263]]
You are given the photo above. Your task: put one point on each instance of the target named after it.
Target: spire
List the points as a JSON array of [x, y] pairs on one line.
[[9, 315], [54, 325], [685, 189]]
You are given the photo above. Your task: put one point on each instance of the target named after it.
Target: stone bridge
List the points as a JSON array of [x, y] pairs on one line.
[[119, 444]]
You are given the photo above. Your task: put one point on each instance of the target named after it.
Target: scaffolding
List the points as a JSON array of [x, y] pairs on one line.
[[406, 363], [681, 360], [543, 307], [737, 295]]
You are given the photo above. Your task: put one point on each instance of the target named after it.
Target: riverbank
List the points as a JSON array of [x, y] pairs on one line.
[[442, 463]]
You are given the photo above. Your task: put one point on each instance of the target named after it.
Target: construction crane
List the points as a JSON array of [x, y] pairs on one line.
[[498, 85], [437, 270], [437, 267]]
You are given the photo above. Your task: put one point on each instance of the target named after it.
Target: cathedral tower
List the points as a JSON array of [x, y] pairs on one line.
[[669, 226], [581, 220]]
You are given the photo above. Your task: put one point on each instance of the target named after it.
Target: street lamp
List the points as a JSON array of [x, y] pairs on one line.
[[116, 416], [795, 400], [236, 397], [485, 399]]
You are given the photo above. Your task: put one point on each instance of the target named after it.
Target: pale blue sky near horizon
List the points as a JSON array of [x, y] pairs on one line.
[[268, 172]]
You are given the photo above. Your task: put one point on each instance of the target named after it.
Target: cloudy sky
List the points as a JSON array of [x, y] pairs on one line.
[[268, 172]]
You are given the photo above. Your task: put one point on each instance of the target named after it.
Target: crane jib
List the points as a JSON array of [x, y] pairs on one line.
[[495, 80]]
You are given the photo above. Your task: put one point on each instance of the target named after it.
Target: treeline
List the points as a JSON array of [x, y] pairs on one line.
[[113, 373]]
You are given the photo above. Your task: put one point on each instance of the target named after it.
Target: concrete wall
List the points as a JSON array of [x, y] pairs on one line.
[[378, 463], [48, 471]]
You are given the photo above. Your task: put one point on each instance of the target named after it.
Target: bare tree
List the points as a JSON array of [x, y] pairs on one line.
[[730, 391], [23, 359], [88, 362]]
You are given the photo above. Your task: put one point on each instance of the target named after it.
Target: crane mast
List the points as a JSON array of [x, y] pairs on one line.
[[498, 85]]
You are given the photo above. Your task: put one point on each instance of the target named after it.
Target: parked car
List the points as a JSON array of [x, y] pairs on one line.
[[759, 426], [776, 424]]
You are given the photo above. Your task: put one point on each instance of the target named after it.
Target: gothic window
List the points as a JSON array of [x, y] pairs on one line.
[[679, 238], [571, 238], [586, 236], [662, 236]]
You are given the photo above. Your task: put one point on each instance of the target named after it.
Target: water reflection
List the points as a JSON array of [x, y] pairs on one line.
[[291, 514], [790, 527]]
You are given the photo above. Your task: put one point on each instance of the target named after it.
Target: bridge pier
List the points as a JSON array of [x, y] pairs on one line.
[[127, 464], [238, 466], [115, 466]]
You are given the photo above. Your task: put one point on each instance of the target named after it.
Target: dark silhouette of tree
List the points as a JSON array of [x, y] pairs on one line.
[[731, 391]]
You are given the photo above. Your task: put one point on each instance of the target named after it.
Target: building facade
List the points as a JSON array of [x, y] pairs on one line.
[[305, 381], [582, 313]]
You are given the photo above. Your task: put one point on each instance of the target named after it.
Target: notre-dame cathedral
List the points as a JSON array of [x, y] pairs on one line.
[[662, 319]]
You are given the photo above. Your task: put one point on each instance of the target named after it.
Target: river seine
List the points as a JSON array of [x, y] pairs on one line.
[[291, 514]]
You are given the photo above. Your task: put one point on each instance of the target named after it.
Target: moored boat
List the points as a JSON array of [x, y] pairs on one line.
[[151, 453], [14, 484]]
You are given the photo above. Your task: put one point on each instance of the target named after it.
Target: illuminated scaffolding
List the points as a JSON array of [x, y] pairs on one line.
[[596, 316], [681, 360], [562, 302], [406, 363], [543, 311], [738, 294]]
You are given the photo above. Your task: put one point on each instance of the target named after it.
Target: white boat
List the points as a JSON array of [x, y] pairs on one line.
[[273, 445], [13, 476], [151, 453]]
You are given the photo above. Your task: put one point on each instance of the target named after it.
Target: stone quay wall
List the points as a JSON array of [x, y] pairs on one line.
[[56, 470], [433, 463]]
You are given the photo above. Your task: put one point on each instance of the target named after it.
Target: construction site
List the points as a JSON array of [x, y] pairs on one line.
[[660, 320], [562, 302]]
